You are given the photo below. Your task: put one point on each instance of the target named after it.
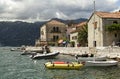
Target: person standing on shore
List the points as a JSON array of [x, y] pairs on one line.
[[46, 49]]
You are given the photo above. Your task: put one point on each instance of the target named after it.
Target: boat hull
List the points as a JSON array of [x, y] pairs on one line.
[[50, 65], [92, 58], [29, 53], [46, 56], [101, 63]]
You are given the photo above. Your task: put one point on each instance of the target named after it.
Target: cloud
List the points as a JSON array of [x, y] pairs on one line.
[[36, 10]]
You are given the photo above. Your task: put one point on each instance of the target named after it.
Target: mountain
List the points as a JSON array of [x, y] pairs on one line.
[[19, 33], [23, 33], [75, 21]]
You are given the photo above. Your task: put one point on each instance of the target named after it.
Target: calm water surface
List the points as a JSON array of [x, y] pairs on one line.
[[15, 66]]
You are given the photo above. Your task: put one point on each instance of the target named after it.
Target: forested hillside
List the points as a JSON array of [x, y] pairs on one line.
[[23, 33], [19, 33]]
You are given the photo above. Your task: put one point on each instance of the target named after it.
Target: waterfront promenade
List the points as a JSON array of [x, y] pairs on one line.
[[110, 52]]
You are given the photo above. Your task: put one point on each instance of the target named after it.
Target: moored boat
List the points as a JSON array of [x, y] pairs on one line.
[[63, 65], [101, 63], [12, 49], [15, 49], [86, 57], [45, 55], [100, 58], [33, 49], [28, 53]]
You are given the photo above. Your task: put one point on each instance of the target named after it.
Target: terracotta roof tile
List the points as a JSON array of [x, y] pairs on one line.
[[55, 22], [108, 14], [81, 24]]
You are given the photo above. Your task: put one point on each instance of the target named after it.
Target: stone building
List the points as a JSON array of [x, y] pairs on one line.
[[74, 33], [51, 32], [98, 36]]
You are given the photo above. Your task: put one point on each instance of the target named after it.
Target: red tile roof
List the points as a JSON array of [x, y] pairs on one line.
[[55, 22], [108, 14], [79, 26]]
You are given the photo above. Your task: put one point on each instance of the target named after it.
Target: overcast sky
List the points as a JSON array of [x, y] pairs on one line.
[[40, 10]]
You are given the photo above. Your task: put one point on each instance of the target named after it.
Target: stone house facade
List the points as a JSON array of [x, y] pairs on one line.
[[51, 32], [74, 33], [98, 36]]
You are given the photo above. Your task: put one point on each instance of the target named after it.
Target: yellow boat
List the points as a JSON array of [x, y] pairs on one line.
[[63, 65]]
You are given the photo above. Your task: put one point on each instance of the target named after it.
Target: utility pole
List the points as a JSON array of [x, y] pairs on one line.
[[94, 42]]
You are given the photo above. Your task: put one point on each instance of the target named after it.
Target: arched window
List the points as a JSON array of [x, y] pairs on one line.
[[55, 29]]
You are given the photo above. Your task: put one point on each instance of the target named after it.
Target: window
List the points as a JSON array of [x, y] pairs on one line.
[[115, 35], [55, 29], [115, 22], [55, 38], [95, 24], [74, 38], [94, 43]]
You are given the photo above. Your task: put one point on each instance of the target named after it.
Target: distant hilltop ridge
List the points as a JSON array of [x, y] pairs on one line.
[[24, 33], [76, 21]]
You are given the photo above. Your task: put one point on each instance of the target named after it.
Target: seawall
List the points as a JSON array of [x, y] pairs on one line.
[[111, 52]]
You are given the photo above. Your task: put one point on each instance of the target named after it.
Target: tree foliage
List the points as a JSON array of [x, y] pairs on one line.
[[19, 33], [83, 35], [113, 27]]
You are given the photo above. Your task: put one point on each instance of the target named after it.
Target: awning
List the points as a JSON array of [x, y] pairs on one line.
[[60, 41]]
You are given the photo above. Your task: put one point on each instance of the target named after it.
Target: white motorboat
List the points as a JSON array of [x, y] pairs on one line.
[[91, 57], [99, 58], [45, 55], [15, 49], [33, 49], [101, 63]]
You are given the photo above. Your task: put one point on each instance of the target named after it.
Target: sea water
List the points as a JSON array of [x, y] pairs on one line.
[[16, 66]]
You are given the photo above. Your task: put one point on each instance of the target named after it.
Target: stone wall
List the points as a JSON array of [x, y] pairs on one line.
[[70, 50], [110, 52]]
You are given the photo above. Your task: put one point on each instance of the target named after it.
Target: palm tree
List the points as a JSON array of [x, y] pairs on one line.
[[83, 35]]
